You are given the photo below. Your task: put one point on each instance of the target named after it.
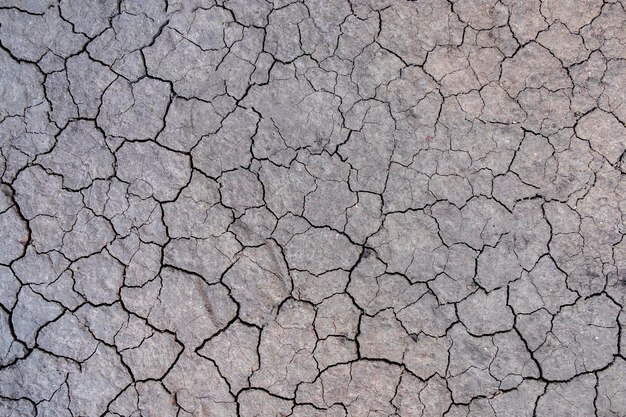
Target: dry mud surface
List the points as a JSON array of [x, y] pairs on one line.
[[313, 208]]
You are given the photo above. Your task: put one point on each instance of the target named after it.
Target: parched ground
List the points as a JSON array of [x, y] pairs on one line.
[[313, 208]]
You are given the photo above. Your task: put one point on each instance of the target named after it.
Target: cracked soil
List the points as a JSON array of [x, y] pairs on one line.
[[313, 208]]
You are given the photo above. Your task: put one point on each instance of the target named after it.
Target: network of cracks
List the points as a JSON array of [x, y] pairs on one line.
[[313, 208]]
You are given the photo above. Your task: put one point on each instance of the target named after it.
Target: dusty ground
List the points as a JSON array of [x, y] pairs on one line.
[[317, 208]]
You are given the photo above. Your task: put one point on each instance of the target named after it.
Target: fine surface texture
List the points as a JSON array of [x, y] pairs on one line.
[[313, 208]]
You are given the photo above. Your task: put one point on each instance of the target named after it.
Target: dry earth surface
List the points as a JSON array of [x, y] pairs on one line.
[[313, 208]]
